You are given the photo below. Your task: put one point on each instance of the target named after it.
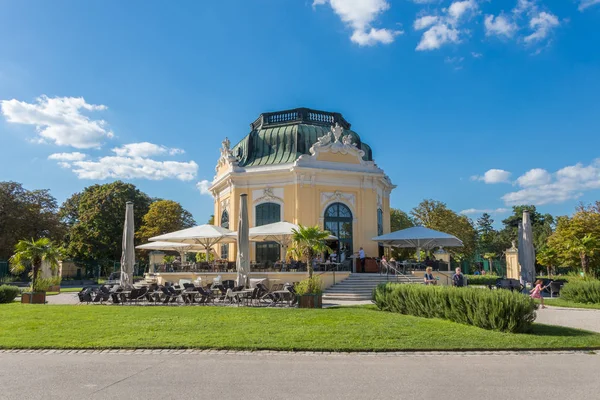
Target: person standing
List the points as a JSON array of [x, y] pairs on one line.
[[458, 279], [361, 257]]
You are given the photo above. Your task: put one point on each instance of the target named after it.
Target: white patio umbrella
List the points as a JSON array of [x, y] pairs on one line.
[[528, 259], [203, 236], [243, 241], [280, 232], [181, 248], [128, 252], [419, 237]]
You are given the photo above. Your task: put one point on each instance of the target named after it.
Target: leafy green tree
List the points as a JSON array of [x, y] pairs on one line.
[[548, 257], [211, 220], [436, 215], [97, 229], [490, 257], [34, 252], [399, 220], [309, 241], [164, 216], [576, 240], [542, 226], [26, 213]]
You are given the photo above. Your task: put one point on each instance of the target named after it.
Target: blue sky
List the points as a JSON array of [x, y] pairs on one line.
[[480, 104]]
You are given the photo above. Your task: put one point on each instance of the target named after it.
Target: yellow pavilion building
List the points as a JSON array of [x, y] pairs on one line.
[[305, 167]]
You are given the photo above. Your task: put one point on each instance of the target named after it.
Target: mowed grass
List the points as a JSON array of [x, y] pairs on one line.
[[571, 304], [338, 329]]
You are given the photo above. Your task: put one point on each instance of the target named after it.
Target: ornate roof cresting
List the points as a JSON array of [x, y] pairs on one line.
[[330, 142]]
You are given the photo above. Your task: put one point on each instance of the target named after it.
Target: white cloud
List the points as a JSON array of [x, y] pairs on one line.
[[59, 120], [541, 24], [118, 167], [131, 162], [583, 4], [499, 26], [144, 149], [493, 176], [203, 187], [359, 15], [445, 28], [524, 7], [471, 211], [476, 55], [540, 187], [374, 36], [425, 22], [75, 156], [534, 177]]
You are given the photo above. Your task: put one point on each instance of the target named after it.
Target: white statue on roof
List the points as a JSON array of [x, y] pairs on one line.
[[337, 131]]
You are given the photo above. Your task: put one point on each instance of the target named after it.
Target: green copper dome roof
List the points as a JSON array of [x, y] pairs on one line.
[[281, 137]]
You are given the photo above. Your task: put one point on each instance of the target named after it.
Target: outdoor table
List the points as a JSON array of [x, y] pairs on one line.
[[243, 294], [122, 294]]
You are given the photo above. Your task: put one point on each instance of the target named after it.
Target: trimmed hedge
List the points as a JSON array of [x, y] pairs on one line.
[[581, 291], [499, 310], [8, 293], [483, 280]]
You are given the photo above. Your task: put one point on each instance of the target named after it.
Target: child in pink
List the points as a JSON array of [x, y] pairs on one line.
[[536, 292]]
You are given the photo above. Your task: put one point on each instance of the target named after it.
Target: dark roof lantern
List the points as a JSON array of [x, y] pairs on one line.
[[299, 115]]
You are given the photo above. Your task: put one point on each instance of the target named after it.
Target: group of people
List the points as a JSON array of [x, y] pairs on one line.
[[458, 279]]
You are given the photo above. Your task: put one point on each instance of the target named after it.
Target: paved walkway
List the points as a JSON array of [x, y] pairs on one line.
[[265, 375], [579, 318]]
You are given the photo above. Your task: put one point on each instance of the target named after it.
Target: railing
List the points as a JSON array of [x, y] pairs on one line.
[[396, 274], [307, 115]]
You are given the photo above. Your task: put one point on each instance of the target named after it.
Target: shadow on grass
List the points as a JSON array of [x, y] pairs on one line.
[[558, 331]]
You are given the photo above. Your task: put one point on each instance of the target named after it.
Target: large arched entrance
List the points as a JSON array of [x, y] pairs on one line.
[[338, 221]]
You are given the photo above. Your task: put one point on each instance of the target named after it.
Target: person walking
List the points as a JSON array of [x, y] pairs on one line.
[[361, 257], [458, 279]]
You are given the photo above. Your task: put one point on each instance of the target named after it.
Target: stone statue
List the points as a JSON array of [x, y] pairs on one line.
[[347, 140], [225, 147], [324, 140], [337, 131]]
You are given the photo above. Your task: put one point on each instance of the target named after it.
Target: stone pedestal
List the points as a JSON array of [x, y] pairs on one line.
[[513, 269]]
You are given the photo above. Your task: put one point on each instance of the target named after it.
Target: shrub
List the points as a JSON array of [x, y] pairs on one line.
[[309, 286], [483, 280], [581, 291], [8, 293], [499, 310]]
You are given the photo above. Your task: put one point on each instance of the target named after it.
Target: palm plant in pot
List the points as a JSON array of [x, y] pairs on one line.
[[34, 252], [307, 242]]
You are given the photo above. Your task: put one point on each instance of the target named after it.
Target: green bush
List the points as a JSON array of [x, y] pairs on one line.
[[581, 291], [499, 310], [8, 293], [482, 279], [309, 286]]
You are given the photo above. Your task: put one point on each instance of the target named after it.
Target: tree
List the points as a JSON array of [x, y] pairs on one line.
[[34, 252], [309, 241], [490, 257], [576, 240], [399, 220], [98, 220], [541, 224], [548, 257], [211, 220], [164, 216], [436, 215], [26, 213]]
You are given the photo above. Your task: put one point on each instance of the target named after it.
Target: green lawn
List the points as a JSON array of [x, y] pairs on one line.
[[339, 329], [65, 290], [565, 303]]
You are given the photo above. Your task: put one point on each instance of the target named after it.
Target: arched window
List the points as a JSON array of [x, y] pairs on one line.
[[338, 221], [380, 229], [225, 224], [267, 213]]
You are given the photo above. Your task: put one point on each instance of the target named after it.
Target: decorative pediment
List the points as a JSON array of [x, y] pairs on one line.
[[328, 197], [335, 142], [268, 194], [227, 158]]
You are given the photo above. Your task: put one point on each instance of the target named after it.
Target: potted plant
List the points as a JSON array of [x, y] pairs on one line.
[[308, 241], [33, 253], [309, 293]]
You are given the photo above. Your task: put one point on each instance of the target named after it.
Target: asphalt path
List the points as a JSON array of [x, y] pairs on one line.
[[298, 376]]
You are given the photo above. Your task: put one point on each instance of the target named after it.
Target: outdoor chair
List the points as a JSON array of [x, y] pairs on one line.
[[555, 288], [85, 295], [229, 284], [168, 295], [102, 295], [153, 294], [115, 294], [138, 294], [205, 296], [189, 293]]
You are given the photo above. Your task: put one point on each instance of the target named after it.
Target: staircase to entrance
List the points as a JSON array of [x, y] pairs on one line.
[[359, 287]]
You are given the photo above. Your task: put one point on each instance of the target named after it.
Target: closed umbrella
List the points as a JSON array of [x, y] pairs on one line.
[[528, 266], [520, 247], [128, 254], [243, 247]]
